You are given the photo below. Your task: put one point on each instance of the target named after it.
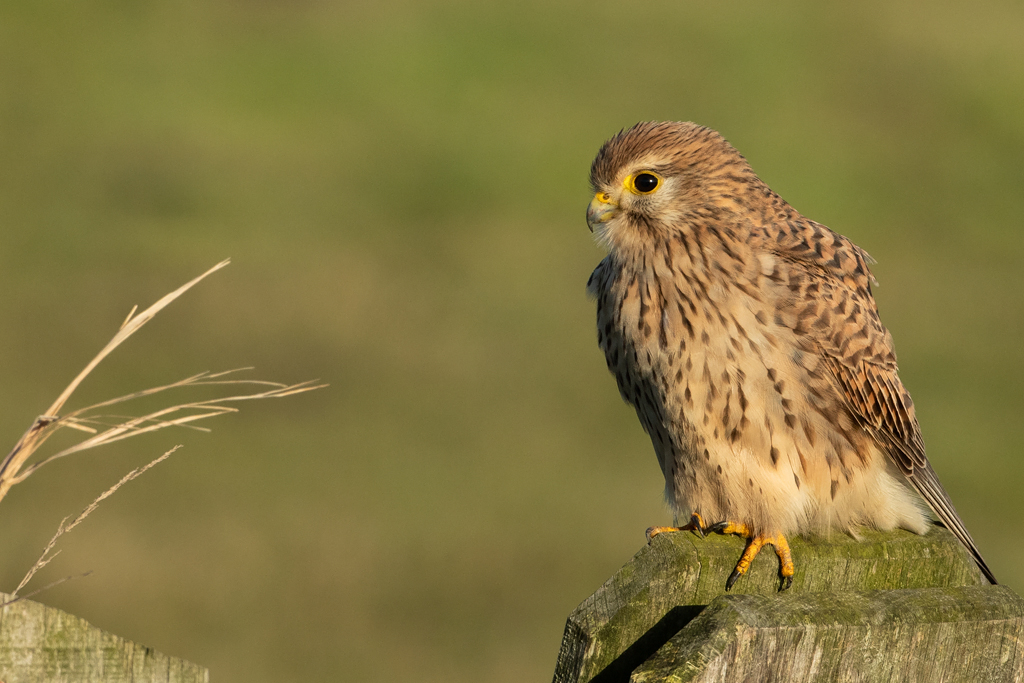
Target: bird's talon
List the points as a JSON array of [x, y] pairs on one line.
[[697, 524], [754, 544]]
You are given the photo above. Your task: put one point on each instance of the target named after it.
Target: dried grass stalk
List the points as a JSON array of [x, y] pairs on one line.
[[181, 415], [65, 527], [104, 429], [109, 428]]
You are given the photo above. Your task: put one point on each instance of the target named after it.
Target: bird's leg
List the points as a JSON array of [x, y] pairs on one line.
[[696, 524], [754, 545]]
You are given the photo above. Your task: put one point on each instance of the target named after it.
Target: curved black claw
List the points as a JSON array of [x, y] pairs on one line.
[[787, 581], [698, 524], [717, 528], [732, 579]]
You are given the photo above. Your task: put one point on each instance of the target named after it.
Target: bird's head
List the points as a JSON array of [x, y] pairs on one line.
[[655, 177]]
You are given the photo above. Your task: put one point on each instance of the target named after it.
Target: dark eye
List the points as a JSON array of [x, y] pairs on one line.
[[645, 183]]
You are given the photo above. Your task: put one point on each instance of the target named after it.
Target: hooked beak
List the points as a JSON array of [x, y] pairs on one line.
[[601, 210]]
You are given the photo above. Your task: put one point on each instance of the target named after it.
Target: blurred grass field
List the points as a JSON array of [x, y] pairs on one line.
[[401, 187]]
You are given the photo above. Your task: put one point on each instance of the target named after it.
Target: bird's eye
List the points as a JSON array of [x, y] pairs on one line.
[[645, 183]]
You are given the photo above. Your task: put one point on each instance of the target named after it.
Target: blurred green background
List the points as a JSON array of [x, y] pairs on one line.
[[402, 187]]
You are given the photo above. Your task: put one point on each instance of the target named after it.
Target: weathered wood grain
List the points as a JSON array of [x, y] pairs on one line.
[[970, 634], [40, 644], [669, 581]]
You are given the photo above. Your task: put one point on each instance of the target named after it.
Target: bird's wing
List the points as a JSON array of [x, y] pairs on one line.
[[833, 309]]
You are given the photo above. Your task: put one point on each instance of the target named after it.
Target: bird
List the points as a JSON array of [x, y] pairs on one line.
[[747, 338]]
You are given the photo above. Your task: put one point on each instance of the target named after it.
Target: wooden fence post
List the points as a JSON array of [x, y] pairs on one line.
[[40, 644], [891, 607]]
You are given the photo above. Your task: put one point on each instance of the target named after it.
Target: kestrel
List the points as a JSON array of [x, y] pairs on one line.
[[747, 338]]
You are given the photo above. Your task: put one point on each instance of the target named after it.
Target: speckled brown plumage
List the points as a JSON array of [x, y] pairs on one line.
[[747, 338]]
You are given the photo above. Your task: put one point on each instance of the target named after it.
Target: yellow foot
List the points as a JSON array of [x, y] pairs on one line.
[[754, 545], [696, 523]]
